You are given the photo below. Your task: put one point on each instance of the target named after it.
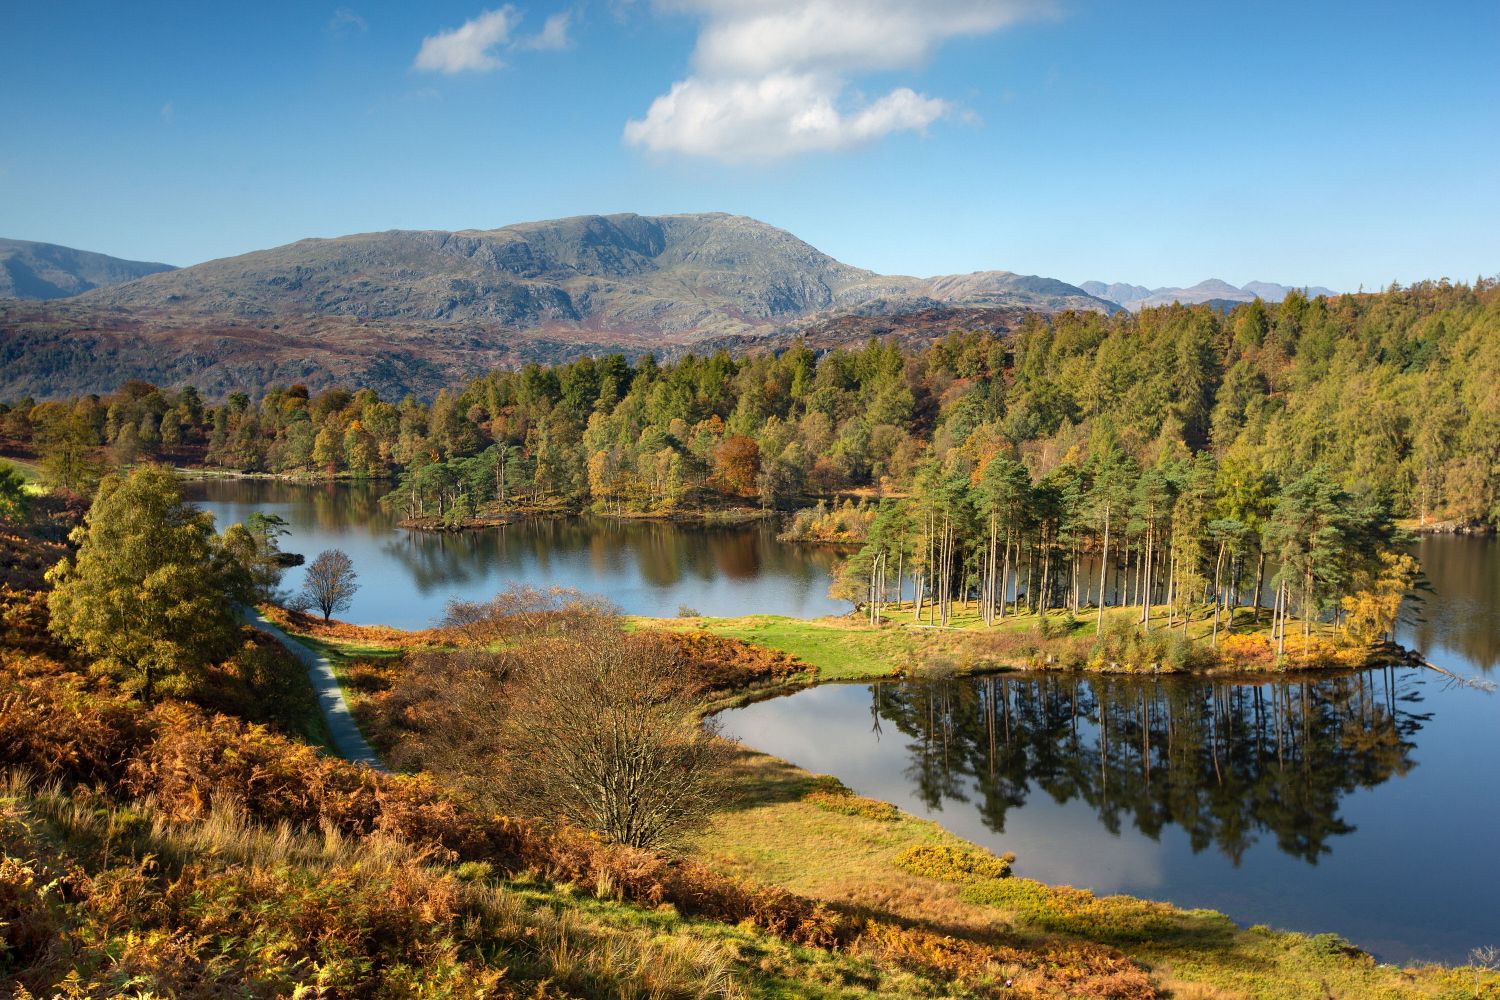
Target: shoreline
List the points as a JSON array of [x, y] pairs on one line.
[[706, 516], [786, 823]]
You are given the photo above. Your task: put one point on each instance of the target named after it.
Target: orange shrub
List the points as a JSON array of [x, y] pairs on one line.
[[722, 664]]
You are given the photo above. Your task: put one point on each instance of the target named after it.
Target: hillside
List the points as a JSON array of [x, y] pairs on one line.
[[412, 310], [46, 271]]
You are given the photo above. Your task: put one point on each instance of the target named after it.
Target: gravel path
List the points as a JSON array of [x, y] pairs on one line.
[[347, 738]]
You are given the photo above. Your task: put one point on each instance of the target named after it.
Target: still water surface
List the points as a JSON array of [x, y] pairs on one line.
[[1367, 804], [645, 567]]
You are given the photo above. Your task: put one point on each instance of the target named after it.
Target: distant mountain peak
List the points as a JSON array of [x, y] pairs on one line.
[[31, 270], [1137, 297]]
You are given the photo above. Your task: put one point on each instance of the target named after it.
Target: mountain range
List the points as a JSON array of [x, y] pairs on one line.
[[414, 310], [1212, 291], [46, 271]]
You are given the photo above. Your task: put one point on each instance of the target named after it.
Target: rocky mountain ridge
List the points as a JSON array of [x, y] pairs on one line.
[[1213, 290], [413, 311]]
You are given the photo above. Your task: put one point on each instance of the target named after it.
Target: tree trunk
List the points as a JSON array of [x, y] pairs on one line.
[[1260, 580], [1103, 573]]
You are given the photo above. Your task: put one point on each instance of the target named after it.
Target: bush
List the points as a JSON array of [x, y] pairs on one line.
[[953, 864], [262, 683], [523, 613], [1065, 910], [721, 665], [830, 794], [601, 730], [1124, 646]]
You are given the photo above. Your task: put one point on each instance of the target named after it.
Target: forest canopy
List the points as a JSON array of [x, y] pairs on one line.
[[1394, 394]]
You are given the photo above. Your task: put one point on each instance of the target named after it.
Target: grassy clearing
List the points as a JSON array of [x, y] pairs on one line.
[[869, 862], [30, 472], [839, 648], [850, 648]]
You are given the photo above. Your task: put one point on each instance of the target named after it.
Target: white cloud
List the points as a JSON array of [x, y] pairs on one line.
[[168, 113], [772, 116], [770, 78], [468, 47], [554, 33], [346, 20]]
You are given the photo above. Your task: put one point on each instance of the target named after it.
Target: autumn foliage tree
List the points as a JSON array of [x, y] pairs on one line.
[[737, 463], [1372, 609], [150, 594]]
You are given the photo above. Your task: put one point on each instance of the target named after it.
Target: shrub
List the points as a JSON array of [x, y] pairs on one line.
[[523, 613], [601, 730], [1065, 910], [953, 864], [830, 794], [262, 683], [720, 664]]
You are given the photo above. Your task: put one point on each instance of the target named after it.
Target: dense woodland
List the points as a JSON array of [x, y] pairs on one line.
[[1182, 444]]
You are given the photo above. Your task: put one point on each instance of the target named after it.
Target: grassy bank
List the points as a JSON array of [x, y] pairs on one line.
[[850, 648], [868, 860], [807, 835]]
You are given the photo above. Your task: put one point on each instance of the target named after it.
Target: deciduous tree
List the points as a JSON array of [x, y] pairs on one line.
[[150, 594], [330, 582]]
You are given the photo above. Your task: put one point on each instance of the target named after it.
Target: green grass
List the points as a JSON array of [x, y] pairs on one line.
[[839, 651], [342, 653], [29, 472], [850, 648]]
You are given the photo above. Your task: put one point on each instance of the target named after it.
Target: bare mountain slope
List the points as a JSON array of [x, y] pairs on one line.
[[47, 271], [424, 307]]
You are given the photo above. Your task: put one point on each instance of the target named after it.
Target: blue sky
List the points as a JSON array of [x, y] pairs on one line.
[[1323, 143]]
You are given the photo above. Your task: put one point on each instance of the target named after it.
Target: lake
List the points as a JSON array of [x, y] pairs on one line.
[[645, 567], [1365, 804]]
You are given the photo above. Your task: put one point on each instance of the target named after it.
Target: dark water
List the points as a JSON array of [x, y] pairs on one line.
[[1366, 804], [646, 568]]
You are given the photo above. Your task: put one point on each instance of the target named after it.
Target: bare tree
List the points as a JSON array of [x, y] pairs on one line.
[[522, 612], [602, 731], [329, 584]]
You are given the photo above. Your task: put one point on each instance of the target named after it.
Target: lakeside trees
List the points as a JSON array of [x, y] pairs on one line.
[[1190, 542], [1393, 393]]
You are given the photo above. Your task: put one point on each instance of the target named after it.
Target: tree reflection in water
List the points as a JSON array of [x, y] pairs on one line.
[[1225, 761], [579, 551]]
